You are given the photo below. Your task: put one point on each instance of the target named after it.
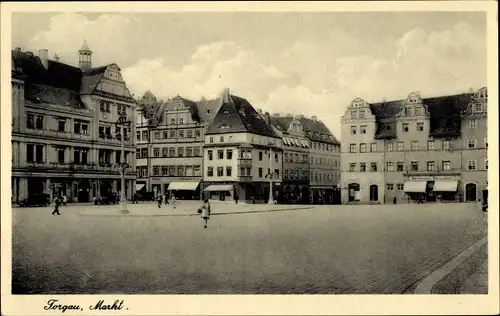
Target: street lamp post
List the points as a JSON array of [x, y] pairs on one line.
[[123, 165]]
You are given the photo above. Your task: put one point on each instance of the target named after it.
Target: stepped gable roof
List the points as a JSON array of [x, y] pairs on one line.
[[317, 131], [237, 115]]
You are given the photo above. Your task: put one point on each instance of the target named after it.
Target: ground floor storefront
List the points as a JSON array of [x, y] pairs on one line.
[[325, 195], [244, 192], [182, 189], [81, 190]]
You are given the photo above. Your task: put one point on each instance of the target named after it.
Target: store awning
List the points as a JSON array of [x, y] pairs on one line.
[[415, 186], [445, 186], [188, 185], [219, 187], [139, 187]]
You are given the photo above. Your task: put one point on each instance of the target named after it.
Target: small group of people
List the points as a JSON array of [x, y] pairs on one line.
[[58, 200], [163, 198]]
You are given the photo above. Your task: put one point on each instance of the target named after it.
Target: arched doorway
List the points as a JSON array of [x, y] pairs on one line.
[[373, 192], [105, 188], [470, 192], [353, 192]]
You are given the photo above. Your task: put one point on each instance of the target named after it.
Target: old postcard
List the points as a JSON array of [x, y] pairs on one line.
[[249, 158]]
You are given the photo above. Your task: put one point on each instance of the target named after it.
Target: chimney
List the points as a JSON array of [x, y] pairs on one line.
[[225, 95], [314, 118], [44, 57], [56, 58], [268, 118]]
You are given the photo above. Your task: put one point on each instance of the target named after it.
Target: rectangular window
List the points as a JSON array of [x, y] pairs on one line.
[[39, 122], [352, 166], [30, 120], [137, 153], [408, 111], [472, 143], [362, 129], [373, 147], [406, 127], [430, 165], [84, 128], [197, 171], [486, 164], [189, 134], [473, 123], [446, 144], [220, 171], [30, 150], [157, 135], [400, 186], [373, 167], [354, 114], [260, 155], [165, 134], [138, 136], [221, 139], [61, 125], [144, 135], [361, 114], [229, 154], [84, 152], [172, 121], [446, 165], [401, 146], [414, 166], [144, 152], [362, 166], [220, 154], [210, 155], [420, 127], [362, 148], [414, 145], [418, 111], [39, 153], [189, 152], [390, 187], [180, 171], [60, 154], [171, 152], [211, 139], [180, 152], [229, 170], [478, 107], [164, 171], [172, 134], [156, 170], [353, 130], [400, 166], [249, 171], [198, 133], [260, 172], [486, 142], [181, 120], [430, 145], [156, 152], [390, 166], [196, 151], [164, 152], [352, 148], [181, 133], [210, 171], [390, 147], [471, 164]]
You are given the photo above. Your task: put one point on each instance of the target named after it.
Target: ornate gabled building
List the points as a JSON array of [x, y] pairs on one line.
[[242, 153], [311, 160], [169, 150], [416, 148], [64, 138]]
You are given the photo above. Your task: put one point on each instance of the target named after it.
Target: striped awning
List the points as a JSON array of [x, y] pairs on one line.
[[445, 186], [219, 187], [187, 185], [415, 186]]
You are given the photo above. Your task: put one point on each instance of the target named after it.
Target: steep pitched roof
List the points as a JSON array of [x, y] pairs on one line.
[[282, 122], [207, 109], [237, 115], [91, 78], [317, 131]]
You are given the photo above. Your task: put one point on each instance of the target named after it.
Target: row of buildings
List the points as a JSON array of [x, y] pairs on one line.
[[65, 140]]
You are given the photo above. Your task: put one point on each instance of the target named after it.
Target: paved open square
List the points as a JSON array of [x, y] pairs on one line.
[[319, 249]]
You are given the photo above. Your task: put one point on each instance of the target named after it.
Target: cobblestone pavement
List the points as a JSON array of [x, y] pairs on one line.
[[324, 249], [477, 283]]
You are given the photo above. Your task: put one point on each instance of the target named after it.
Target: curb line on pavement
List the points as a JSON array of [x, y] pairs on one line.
[[193, 214], [427, 283]]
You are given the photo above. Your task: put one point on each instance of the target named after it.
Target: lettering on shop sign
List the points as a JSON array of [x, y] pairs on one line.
[[430, 178]]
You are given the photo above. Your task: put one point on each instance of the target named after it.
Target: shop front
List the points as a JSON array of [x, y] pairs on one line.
[[432, 188], [219, 192], [184, 190]]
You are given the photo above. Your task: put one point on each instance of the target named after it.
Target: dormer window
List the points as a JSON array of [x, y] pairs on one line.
[[224, 126]]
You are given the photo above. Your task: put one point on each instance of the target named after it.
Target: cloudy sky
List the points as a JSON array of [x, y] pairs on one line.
[[302, 63]]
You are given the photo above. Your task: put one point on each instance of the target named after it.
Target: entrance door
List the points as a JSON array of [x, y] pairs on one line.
[[485, 196], [373, 192], [470, 192], [83, 195], [353, 192]]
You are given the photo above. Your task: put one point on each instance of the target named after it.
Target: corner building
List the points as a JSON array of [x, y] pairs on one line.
[[64, 137], [429, 149]]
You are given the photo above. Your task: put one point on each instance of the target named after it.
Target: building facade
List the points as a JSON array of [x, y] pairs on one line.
[[169, 150], [415, 149], [64, 137], [242, 154], [311, 160]]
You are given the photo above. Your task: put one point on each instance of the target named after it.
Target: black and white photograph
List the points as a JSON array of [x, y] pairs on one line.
[[253, 151]]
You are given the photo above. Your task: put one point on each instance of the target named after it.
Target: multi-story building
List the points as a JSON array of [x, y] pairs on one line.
[[169, 145], [64, 137], [416, 148], [311, 160], [242, 153]]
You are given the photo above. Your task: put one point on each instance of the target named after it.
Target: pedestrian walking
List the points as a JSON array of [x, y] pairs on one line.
[[165, 199], [236, 199], [64, 199], [205, 212], [57, 203], [173, 202], [159, 199], [395, 201], [135, 199]]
